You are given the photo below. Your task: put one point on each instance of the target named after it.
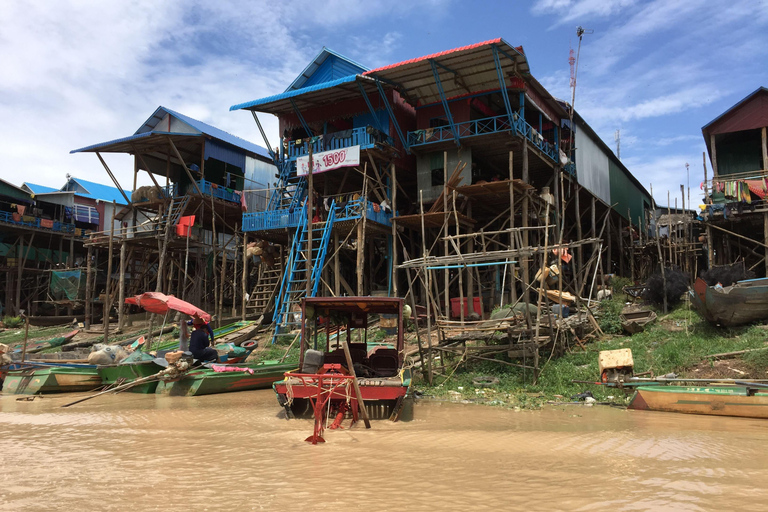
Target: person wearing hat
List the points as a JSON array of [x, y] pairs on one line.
[[199, 343]]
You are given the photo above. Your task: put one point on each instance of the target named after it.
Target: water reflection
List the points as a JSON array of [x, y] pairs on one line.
[[238, 451]]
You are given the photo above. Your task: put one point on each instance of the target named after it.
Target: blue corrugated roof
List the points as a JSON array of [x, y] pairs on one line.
[[99, 191], [39, 189], [339, 69], [200, 126], [292, 94], [220, 134]]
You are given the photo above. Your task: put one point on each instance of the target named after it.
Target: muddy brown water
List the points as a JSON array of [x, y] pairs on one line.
[[238, 452]]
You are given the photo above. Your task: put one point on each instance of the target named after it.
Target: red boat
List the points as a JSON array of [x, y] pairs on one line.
[[335, 331]]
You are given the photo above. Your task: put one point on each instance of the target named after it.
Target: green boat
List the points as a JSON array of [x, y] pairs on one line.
[[123, 373], [206, 381], [54, 379]]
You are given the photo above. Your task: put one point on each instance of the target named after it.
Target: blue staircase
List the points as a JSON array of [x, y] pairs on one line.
[[294, 284], [291, 189]]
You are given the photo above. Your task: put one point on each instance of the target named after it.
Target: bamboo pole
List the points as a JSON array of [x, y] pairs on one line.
[[310, 216], [426, 289], [661, 259], [393, 173]]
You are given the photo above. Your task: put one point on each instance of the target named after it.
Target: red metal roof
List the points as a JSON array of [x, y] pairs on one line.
[[463, 71], [436, 55]]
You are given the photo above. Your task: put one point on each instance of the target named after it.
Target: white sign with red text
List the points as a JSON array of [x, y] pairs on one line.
[[328, 160]]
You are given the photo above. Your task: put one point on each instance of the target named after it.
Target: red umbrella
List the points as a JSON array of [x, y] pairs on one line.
[[160, 303]]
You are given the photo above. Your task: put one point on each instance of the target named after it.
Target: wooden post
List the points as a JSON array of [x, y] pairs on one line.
[[358, 395], [446, 272], [121, 293], [661, 260], [765, 148], [669, 229], [107, 306], [336, 275], [631, 247], [579, 235], [220, 308], [621, 247], [361, 234], [88, 298], [461, 270], [244, 279], [426, 289], [512, 245], [526, 240], [26, 337], [765, 239], [393, 175], [714, 155]]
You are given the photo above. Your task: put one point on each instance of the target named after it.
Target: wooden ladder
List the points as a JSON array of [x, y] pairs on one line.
[[267, 286]]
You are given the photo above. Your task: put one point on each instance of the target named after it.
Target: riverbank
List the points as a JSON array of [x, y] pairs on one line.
[[679, 343]]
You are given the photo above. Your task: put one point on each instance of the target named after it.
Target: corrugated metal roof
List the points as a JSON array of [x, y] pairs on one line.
[[473, 65], [98, 191], [220, 134], [128, 144], [341, 67], [39, 189], [707, 129], [309, 97]]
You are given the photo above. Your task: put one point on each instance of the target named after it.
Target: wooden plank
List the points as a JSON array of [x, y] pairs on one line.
[[356, 385]]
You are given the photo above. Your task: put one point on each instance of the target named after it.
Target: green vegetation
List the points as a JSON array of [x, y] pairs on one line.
[[12, 322], [676, 343]]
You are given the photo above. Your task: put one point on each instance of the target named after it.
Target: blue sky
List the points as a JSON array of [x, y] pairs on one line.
[[77, 72]]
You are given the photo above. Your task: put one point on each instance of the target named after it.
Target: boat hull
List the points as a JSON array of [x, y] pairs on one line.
[[742, 303], [207, 381], [51, 380], [125, 373], [711, 400]]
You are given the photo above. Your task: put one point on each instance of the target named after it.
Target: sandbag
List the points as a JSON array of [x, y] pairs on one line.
[[107, 354]]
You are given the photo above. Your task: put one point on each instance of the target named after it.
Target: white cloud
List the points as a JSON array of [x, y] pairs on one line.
[[577, 10], [77, 73]]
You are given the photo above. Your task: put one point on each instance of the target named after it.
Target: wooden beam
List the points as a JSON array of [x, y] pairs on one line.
[[184, 165], [114, 180]]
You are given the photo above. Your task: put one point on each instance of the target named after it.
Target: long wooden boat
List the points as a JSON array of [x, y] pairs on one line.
[[330, 376], [714, 400], [37, 346], [207, 381], [741, 303], [634, 320], [124, 373], [50, 321], [54, 379]]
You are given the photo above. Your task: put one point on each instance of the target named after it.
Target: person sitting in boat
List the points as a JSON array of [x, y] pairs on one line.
[[199, 343], [207, 327]]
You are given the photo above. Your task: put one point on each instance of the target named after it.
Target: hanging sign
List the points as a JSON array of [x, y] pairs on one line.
[[328, 160]]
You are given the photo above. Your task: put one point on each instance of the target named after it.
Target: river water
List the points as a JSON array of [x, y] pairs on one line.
[[238, 452]]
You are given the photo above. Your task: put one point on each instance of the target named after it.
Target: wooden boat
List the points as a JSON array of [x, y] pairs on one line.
[[740, 401], [37, 346], [52, 379], [50, 321], [124, 373], [325, 382], [634, 320], [206, 381], [742, 303]]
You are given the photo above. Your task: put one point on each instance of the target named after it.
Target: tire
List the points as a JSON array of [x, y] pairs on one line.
[[485, 382]]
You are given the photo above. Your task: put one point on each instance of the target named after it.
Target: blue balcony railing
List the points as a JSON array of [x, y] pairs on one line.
[[485, 126], [35, 222], [219, 192], [364, 137], [279, 219]]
